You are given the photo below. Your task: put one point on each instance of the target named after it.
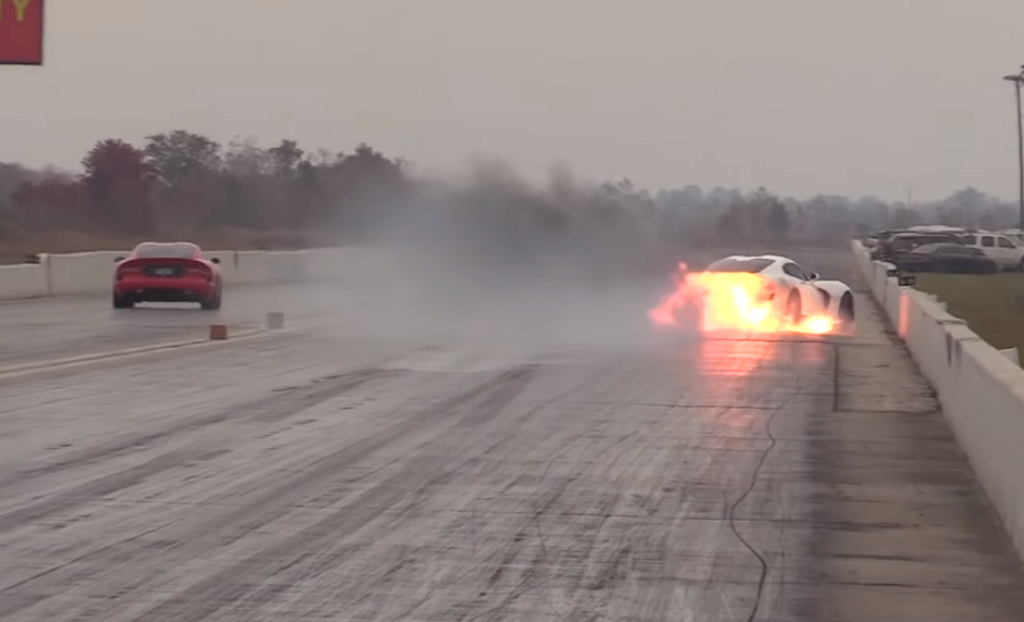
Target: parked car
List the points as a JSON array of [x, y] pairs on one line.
[[876, 242], [904, 242], [1017, 235], [1000, 248], [953, 258], [884, 235], [937, 229]]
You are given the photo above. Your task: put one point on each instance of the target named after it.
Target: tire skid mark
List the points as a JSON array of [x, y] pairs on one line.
[[277, 500], [270, 505], [511, 384], [657, 548], [104, 486], [604, 509], [302, 398], [263, 409], [215, 592], [234, 583], [315, 563], [594, 570], [514, 547], [504, 556], [492, 572], [536, 564], [329, 561]]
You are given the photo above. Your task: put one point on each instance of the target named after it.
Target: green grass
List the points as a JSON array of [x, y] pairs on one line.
[[991, 304]]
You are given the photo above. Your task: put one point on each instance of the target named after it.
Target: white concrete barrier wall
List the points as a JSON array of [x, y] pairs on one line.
[[987, 415], [92, 273], [894, 303], [253, 267], [881, 282], [24, 281], [82, 273], [353, 265], [330, 263], [980, 389], [287, 267], [228, 265], [927, 331]]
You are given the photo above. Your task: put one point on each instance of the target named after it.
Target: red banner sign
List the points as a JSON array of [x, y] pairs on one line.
[[21, 32]]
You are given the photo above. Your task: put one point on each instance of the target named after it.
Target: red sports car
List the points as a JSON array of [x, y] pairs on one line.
[[167, 272]]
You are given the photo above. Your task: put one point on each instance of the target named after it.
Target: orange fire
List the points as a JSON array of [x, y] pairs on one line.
[[732, 301]]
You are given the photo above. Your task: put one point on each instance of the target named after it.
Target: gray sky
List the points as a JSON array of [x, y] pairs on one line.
[[802, 96]]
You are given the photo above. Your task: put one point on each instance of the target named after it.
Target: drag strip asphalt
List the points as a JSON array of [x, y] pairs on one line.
[[50, 329], [327, 474]]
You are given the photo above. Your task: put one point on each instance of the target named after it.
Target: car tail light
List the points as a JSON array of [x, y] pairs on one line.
[[121, 272], [206, 274]]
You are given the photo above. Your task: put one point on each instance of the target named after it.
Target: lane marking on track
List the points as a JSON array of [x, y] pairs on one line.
[[117, 354], [74, 361]]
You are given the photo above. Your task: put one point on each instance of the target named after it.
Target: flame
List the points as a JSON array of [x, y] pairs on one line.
[[733, 301]]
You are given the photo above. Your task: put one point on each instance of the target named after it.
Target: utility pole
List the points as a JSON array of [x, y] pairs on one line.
[[1017, 80]]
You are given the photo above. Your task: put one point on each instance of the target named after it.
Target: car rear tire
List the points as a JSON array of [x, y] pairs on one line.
[[846, 310], [123, 302], [212, 304], [794, 309]]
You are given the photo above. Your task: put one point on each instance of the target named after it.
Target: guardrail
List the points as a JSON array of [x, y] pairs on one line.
[[93, 272], [981, 390]]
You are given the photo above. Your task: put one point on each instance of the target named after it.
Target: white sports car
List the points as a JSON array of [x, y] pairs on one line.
[[795, 292]]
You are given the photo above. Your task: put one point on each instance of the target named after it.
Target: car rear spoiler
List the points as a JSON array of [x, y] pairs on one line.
[[140, 262]]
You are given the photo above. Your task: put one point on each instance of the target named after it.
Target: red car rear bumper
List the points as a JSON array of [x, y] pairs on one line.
[[183, 289]]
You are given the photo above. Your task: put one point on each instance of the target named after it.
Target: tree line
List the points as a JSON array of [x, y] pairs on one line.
[[183, 181], [762, 215], [179, 181]]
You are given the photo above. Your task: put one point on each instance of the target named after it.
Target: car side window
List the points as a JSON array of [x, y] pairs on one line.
[[794, 271], [987, 241], [1005, 243]]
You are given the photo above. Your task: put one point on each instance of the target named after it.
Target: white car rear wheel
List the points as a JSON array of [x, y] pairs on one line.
[[846, 311], [794, 310]]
